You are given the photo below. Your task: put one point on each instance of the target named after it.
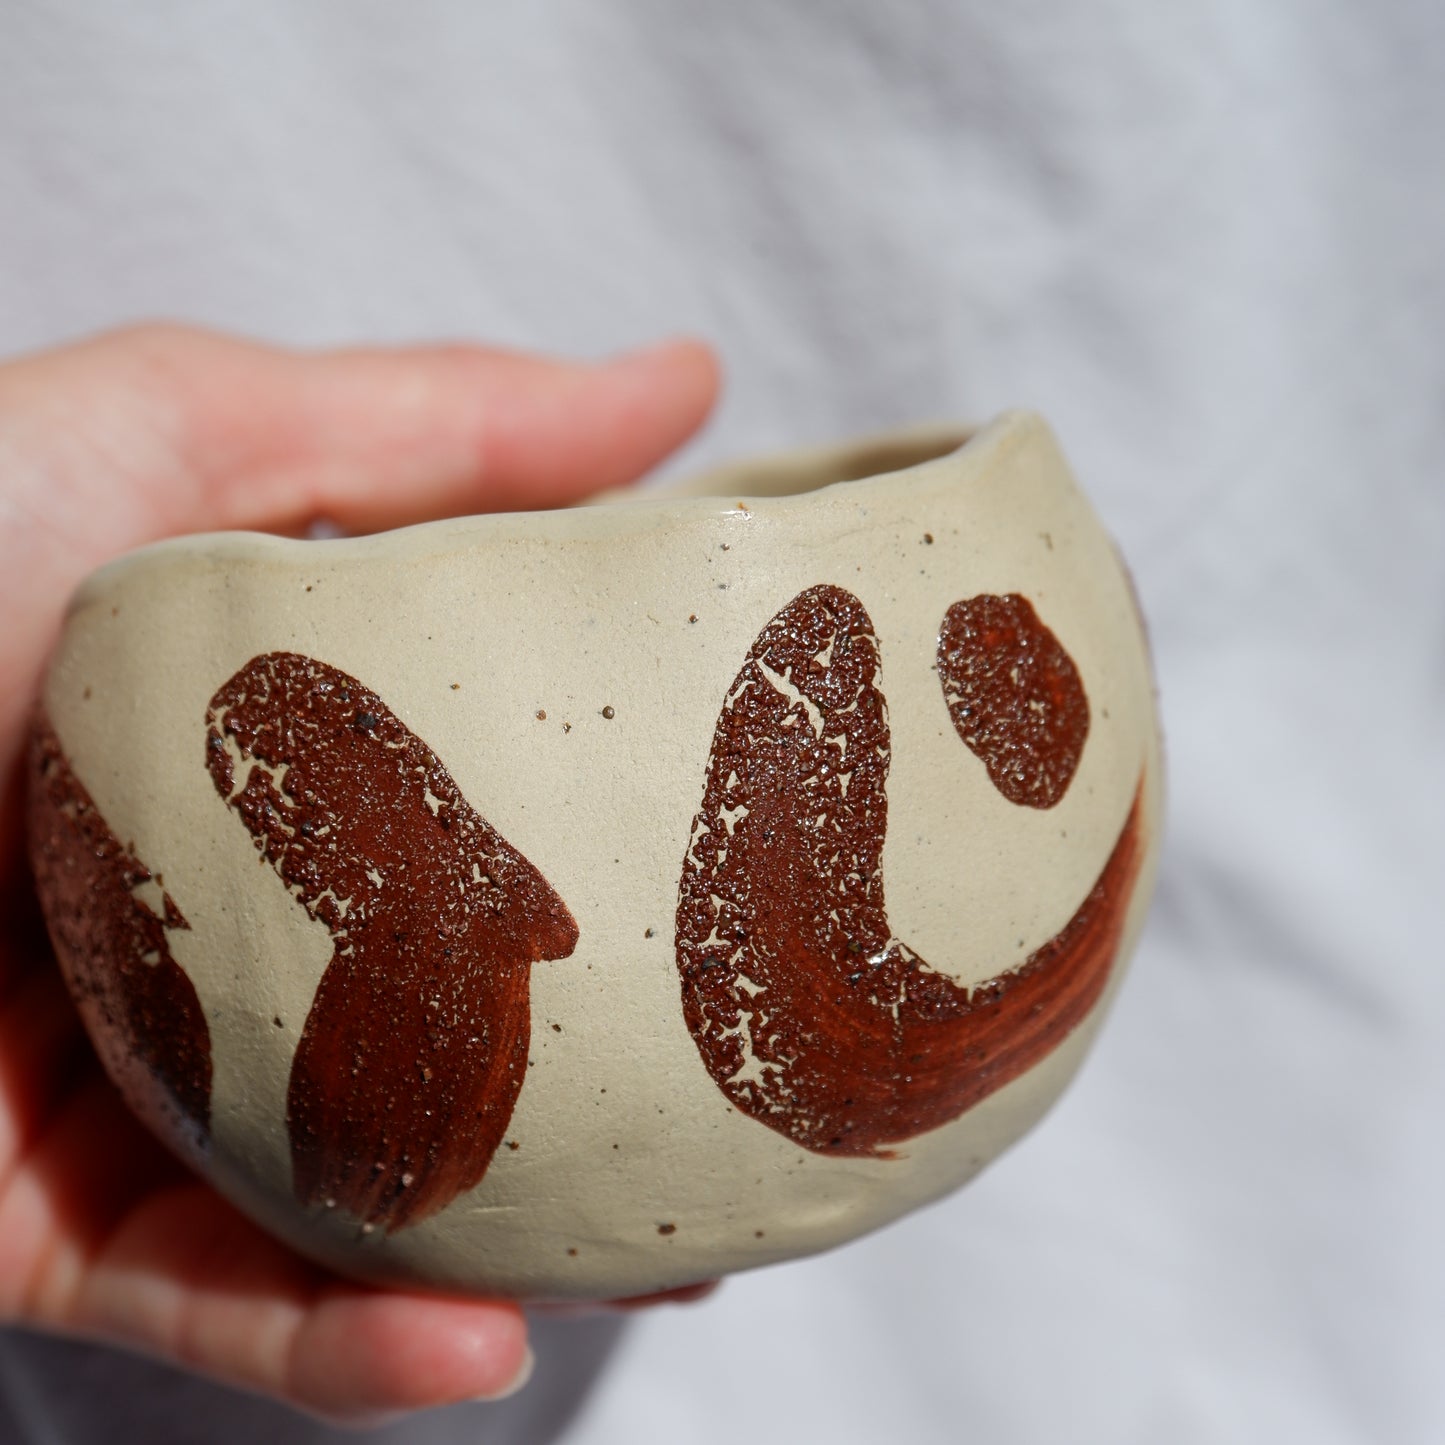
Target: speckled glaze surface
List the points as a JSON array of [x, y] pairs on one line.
[[500, 904]]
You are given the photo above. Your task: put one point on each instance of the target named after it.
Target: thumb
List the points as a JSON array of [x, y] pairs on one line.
[[152, 431], [378, 438]]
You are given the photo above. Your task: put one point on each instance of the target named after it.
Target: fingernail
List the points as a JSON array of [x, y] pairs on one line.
[[637, 355], [517, 1382], [650, 350]]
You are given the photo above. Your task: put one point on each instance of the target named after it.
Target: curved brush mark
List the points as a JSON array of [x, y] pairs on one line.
[[1014, 695], [140, 1008], [414, 1051], [807, 1012]]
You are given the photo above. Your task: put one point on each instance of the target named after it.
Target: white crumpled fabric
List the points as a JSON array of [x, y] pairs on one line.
[[1206, 241]]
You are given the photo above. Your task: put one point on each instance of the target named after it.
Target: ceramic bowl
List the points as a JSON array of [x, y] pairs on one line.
[[587, 903]]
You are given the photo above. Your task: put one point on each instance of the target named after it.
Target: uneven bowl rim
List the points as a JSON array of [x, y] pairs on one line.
[[957, 447]]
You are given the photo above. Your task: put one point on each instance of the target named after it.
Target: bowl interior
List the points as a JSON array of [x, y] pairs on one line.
[[795, 472]]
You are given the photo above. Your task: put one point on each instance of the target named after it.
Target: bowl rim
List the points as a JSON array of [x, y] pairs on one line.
[[775, 483]]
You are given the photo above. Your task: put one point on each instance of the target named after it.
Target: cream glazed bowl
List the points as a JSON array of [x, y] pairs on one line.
[[499, 905]]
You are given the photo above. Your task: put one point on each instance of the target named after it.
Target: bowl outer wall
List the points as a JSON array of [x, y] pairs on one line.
[[469, 630]]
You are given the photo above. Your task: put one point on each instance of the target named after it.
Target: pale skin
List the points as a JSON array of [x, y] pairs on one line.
[[155, 431]]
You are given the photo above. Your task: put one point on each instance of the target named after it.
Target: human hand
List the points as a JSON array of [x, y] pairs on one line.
[[156, 431]]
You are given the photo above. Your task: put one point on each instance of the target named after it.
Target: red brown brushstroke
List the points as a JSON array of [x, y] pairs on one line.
[[808, 1013], [140, 1008], [1014, 695], [414, 1051]]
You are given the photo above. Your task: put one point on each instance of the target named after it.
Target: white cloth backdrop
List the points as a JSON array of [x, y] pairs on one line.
[[1206, 240]]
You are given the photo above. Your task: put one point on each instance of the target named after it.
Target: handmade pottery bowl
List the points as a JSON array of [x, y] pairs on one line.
[[499, 905]]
